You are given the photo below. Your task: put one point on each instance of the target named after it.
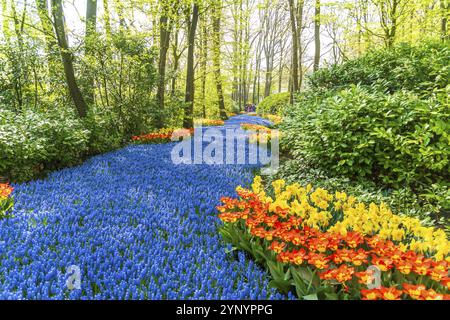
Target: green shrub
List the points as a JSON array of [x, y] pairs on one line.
[[395, 140], [416, 68], [274, 104], [32, 143], [105, 134], [377, 127]]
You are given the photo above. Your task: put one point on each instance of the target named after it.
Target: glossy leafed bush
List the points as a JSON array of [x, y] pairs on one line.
[[32, 142], [422, 68], [396, 140]]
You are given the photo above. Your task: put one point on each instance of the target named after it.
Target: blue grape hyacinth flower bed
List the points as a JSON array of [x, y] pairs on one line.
[[136, 225]]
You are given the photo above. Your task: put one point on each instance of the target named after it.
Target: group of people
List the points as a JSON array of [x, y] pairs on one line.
[[250, 107]]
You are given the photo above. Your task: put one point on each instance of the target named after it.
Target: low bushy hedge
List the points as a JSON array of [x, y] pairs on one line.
[[32, 142], [274, 103]]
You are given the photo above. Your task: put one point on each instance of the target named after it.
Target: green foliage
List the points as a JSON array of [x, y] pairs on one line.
[[32, 142], [105, 133], [125, 67], [274, 104], [38, 130], [6, 205], [377, 127], [394, 139], [417, 68]]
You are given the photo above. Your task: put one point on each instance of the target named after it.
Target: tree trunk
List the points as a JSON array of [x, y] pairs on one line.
[[216, 14], [294, 72], [300, 9], [164, 34], [316, 35], [203, 57], [280, 70], [91, 26], [5, 22], [235, 12], [268, 80], [175, 61], [188, 121], [445, 12], [67, 57], [255, 98]]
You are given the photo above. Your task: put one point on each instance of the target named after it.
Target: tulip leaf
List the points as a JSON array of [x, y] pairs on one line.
[[311, 297]]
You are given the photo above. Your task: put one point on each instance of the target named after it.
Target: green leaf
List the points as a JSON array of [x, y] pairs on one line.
[[311, 297]]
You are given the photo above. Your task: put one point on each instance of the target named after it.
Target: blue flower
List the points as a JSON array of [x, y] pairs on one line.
[[137, 226]]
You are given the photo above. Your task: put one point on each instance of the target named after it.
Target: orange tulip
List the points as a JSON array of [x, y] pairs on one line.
[[370, 294], [390, 293], [421, 268], [446, 282], [437, 275], [344, 273], [364, 277], [383, 263], [277, 247], [353, 239], [414, 291], [319, 260], [359, 257], [404, 267], [298, 257], [432, 295]]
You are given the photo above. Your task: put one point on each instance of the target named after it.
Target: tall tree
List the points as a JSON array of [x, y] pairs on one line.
[[445, 11], [216, 15], [5, 22], [67, 58], [189, 94], [256, 78], [90, 36], [300, 26], [316, 35], [271, 36], [295, 48], [164, 41], [203, 61]]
